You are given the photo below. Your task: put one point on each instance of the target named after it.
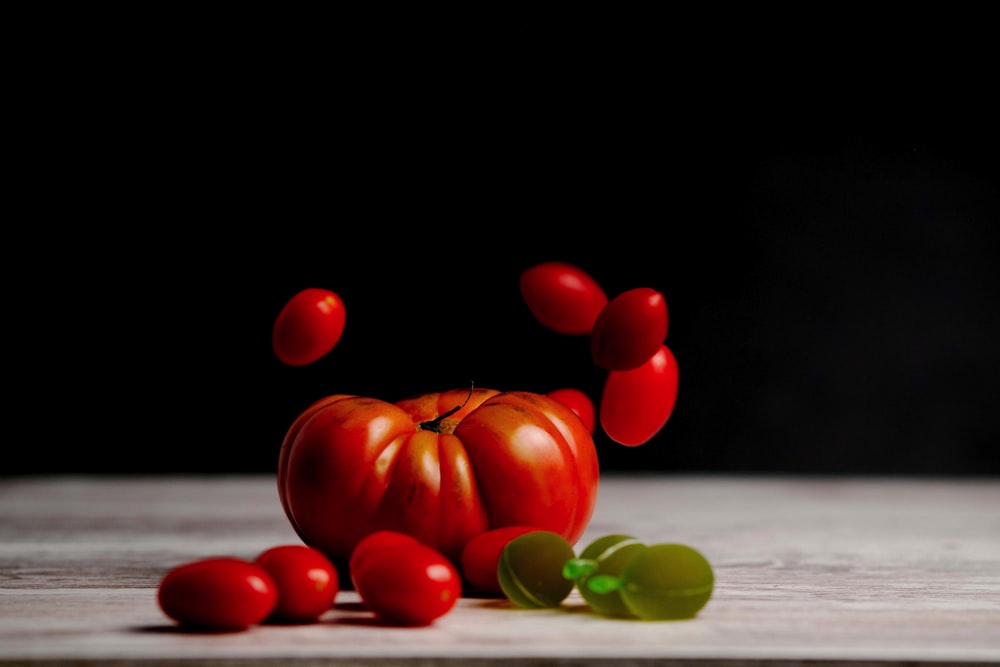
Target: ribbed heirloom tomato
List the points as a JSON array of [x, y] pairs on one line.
[[442, 467]]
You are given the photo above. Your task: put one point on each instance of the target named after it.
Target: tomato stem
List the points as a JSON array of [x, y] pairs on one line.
[[575, 568], [435, 424], [605, 583]]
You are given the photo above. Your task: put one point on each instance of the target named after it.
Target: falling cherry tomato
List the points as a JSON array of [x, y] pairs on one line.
[[562, 297], [308, 326], [629, 330], [578, 402], [635, 404], [307, 582]]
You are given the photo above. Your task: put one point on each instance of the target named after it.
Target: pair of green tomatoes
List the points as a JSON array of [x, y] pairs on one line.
[[616, 574]]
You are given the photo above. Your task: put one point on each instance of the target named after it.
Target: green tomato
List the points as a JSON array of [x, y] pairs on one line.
[[530, 569], [606, 556], [667, 582]]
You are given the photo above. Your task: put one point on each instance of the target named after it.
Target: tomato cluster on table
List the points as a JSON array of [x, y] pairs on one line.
[[469, 490], [288, 583], [617, 575]]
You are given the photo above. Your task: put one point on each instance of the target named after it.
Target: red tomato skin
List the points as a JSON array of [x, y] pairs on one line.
[[562, 297], [629, 330], [578, 402], [308, 326], [286, 447], [635, 404], [481, 555], [350, 466], [307, 582], [380, 539], [218, 593], [408, 584]]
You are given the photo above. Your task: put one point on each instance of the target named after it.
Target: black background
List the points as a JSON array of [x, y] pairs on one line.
[[815, 197]]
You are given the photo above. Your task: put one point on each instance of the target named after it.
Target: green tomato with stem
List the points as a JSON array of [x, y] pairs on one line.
[[607, 556], [661, 582]]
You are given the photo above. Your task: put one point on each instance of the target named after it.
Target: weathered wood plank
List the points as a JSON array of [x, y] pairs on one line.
[[819, 571]]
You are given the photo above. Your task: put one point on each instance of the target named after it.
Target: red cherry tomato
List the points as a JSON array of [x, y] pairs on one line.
[[562, 297], [482, 554], [578, 402], [374, 541], [220, 593], [635, 404], [408, 584], [629, 330], [308, 326], [307, 582]]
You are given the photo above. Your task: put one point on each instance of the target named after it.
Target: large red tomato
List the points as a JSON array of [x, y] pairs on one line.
[[351, 465]]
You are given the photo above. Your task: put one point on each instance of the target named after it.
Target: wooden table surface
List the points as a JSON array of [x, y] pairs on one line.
[[818, 571]]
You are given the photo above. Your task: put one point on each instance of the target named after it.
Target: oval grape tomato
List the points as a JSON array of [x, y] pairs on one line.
[[562, 297], [380, 539], [407, 584], [629, 330], [308, 326], [219, 593], [307, 582], [635, 404]]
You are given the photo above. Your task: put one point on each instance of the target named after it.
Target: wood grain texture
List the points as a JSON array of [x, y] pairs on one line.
[[817, 571]]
